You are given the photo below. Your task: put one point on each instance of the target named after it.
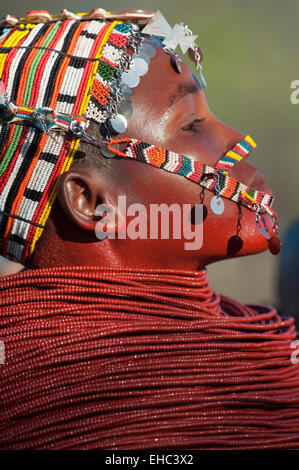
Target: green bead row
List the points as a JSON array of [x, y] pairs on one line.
[[35, 62], [106, 71], [11, 149]]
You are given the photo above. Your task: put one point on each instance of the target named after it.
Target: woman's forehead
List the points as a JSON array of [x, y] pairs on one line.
[[163, 86]]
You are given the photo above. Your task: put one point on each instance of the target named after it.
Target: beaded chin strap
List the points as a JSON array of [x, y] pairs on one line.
[[215, 179]]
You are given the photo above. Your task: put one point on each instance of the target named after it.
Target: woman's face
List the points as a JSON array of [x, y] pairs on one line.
[[171, 111]]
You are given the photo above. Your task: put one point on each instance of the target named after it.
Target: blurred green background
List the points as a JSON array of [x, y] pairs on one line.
[[251, 57]]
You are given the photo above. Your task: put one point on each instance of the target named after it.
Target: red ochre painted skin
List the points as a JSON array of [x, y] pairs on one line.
[[172, 112]]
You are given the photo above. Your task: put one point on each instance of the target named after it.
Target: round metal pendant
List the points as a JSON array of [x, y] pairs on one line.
[[175, 63], [262, 227], [118, 123], [143, 56], [154, 42], [107, 153], [148, 50], [125, 108], [6, 114], [217, 205], [130, 78], [139, 65], [125, 89], [263, 231]]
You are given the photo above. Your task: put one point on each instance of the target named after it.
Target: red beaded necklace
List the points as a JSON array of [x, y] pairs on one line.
[[110, 358]]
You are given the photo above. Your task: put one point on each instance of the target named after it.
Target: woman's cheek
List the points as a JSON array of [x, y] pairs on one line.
[[232, 233]]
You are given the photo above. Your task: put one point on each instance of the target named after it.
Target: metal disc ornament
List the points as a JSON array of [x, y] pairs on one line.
[[142, 56], [154, 42], [175, 63], [217, 205], [125, 108], [262, 228], [6, 113], [139, 65], [107, 153], [125, 89], [148, 50], [263, 231], [130, 78], [118, 123]]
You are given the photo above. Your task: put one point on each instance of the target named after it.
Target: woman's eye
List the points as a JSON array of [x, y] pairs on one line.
[[194, 126]]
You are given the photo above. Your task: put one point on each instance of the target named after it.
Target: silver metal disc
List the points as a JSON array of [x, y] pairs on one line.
[[118, 123], [139, 65], [125, 108], [148, 50], [152, 42], [263, 232], [142, 56], [130, 78], [106, 153], [127, 97], [217, 205], [125, 89]]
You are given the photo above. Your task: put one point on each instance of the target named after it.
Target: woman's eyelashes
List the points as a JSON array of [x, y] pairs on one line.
[[194, 126]]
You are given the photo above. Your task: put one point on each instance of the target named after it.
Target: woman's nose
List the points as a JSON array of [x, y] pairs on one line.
[[227, 136], [242, 170]]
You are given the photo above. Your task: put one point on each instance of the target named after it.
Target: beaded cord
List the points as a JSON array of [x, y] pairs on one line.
[[111, 358], [200, 173]]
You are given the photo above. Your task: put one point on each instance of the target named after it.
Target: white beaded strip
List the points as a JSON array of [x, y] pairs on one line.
[[16, 60], [14, 172], [38, 181], [44, 83]]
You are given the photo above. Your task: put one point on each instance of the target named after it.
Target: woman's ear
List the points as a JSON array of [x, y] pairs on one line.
[[81, 193]]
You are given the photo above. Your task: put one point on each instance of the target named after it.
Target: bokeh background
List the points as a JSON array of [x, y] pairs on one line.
[[251, 57]]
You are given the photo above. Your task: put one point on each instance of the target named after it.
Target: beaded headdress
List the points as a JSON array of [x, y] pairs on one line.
[[59, 72]]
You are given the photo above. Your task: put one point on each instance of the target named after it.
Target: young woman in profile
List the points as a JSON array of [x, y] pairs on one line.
[[114, 341]]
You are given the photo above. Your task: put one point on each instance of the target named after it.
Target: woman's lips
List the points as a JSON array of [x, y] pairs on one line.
[[258, 183]]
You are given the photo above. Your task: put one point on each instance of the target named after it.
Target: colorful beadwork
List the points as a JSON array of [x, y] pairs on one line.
[[200, 173], [235, 155], [54, 70]]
